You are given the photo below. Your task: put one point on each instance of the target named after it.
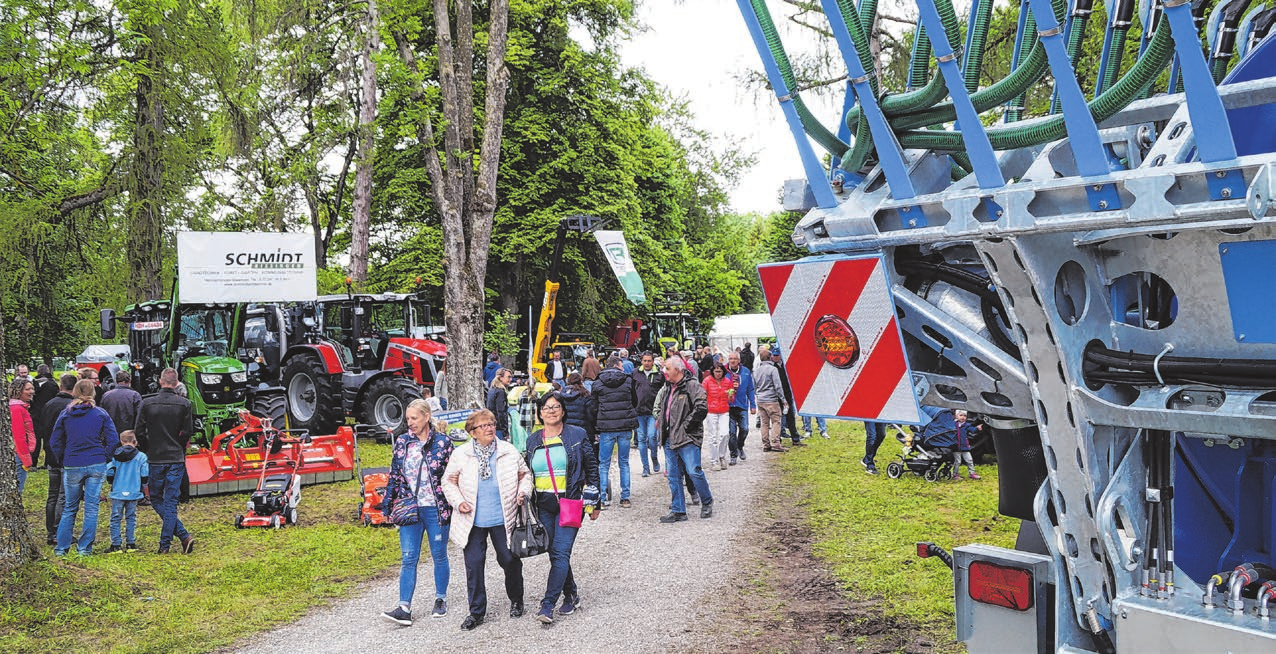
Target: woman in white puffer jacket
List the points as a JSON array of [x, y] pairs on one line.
[[486, 481]]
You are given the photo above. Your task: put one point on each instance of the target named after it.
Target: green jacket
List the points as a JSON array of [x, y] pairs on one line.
[[686, 411]]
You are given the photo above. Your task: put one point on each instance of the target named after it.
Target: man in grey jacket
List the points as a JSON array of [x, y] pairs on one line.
[[680, 411], [771, 404]]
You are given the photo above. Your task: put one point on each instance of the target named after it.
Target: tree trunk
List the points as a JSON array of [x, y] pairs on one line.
[[146, 199], [363, 172], [464, 198], [16, 544]]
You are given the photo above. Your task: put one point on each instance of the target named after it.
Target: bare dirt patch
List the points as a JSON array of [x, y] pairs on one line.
[[784, 599]]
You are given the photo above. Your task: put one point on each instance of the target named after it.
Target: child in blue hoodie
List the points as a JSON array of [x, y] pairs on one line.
[[127, 474]]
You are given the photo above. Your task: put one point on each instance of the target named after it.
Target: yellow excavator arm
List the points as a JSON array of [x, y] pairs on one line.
[[543, 331]]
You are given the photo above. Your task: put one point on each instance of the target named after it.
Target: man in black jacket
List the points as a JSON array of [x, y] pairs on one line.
[[746, 356], [56, 500], [647, 382], [790, 416], [616, 400], [46, 388], [165, 424]]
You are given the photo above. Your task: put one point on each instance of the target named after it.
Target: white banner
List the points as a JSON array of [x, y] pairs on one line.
[[245, 267], [617, 253]]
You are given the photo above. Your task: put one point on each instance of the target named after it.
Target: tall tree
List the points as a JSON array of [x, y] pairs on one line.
[[362, 217], [464, 193]]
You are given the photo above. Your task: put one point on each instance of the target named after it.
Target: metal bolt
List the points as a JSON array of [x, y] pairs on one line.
[[1209, 442], [906, 209], [1224, 250], [1000, 212], [1226, 193], [1212, 401], [912, 223], [1125, 615], [1187, 399], [1241, 337], [1221, 174], [1236, 443], [1103, 204], [1098, 187]]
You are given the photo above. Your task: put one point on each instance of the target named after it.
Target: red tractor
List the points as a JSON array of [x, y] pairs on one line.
[[359, 355]]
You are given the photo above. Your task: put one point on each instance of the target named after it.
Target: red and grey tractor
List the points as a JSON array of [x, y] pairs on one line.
[[358, 355]]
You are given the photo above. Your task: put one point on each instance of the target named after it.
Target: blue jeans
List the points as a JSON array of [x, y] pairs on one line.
[[561, 539], [22, 474], [686, 458], [166, 486], [410, 537], [819, 422], [738, 430], [874, 434], [647, 443], [126, 510], [82, 483], [608, 442]]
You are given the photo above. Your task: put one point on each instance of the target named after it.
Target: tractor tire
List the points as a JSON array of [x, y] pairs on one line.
[[894, 469], [385, 403], [314, 402], [272, 404]]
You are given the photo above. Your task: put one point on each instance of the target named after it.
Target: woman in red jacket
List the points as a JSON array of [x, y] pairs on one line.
[[719, 389], [20, 393]]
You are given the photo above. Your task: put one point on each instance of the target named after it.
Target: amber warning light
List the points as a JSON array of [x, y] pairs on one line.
[[1000, 585], [836, 341]]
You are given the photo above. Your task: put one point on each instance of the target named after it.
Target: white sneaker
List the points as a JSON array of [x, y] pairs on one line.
[[716, 467]]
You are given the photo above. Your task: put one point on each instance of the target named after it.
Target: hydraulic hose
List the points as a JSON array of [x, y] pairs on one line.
[[1014, 112], [1225, 43], [1015, 84], [1142, 74], [1076, 37], [983, 20], [1114, 66], [817, 131], [919, 65]]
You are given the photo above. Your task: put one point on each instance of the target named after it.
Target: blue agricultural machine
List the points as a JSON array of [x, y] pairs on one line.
[[1096, 280]]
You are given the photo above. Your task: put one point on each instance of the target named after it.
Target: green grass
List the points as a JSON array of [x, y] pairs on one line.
[[238, 582], [866, 526]]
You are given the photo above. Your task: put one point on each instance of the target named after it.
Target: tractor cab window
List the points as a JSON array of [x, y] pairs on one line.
[[204, 331], [385, 319]]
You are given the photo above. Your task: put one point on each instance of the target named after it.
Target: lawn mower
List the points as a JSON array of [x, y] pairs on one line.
[[274, 503]]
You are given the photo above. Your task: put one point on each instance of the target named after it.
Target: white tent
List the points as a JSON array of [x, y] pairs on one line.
[[730, 332]]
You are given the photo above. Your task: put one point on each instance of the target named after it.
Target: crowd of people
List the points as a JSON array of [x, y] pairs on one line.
[[89, 438]]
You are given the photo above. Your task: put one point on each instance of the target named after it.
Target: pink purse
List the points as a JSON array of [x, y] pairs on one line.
[[571, 513]]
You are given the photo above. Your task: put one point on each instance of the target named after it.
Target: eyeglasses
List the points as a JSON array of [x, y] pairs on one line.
[[554, 408], [483, 426]]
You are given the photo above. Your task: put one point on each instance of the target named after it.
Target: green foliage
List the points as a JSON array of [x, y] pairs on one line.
[[500, 336]]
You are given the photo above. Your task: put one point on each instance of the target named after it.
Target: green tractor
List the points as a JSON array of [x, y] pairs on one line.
[[205, 343]]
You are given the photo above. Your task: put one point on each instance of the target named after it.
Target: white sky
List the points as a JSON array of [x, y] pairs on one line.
[[697, 48]]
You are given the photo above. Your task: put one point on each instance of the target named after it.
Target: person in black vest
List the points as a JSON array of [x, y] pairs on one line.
[[790, 416], [617, 418], [746, 356]]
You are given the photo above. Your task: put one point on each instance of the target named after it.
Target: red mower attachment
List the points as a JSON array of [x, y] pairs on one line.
[[236, 460]]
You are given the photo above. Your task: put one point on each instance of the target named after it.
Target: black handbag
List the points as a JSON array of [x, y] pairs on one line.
[[528, 538]]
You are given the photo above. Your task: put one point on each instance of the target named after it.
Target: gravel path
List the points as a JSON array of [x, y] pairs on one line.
[[644, 586]]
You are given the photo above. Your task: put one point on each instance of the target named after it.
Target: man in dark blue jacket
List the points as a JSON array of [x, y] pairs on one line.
[[616, 400], [743, 404]]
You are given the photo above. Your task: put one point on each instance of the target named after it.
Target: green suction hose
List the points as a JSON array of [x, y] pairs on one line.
[[975, 61], [810, 124], [1015, 111], [1143, 73]]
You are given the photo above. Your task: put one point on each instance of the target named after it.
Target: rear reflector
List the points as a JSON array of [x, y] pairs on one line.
[[1000, 585], [923, 550]]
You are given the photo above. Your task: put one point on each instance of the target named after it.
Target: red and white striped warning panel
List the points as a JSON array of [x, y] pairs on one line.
[[834, 321]]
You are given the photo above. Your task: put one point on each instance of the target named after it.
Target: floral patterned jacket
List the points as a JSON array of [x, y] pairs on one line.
[[399, 490]]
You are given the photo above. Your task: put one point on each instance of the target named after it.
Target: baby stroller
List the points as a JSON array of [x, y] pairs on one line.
[[930, 453]]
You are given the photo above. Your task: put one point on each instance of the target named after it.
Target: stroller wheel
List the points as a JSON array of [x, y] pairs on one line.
[[894, 469], [932, 474]]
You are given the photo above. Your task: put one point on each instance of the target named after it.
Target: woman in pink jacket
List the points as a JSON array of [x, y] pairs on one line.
[[719, 388], [20, 393]]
